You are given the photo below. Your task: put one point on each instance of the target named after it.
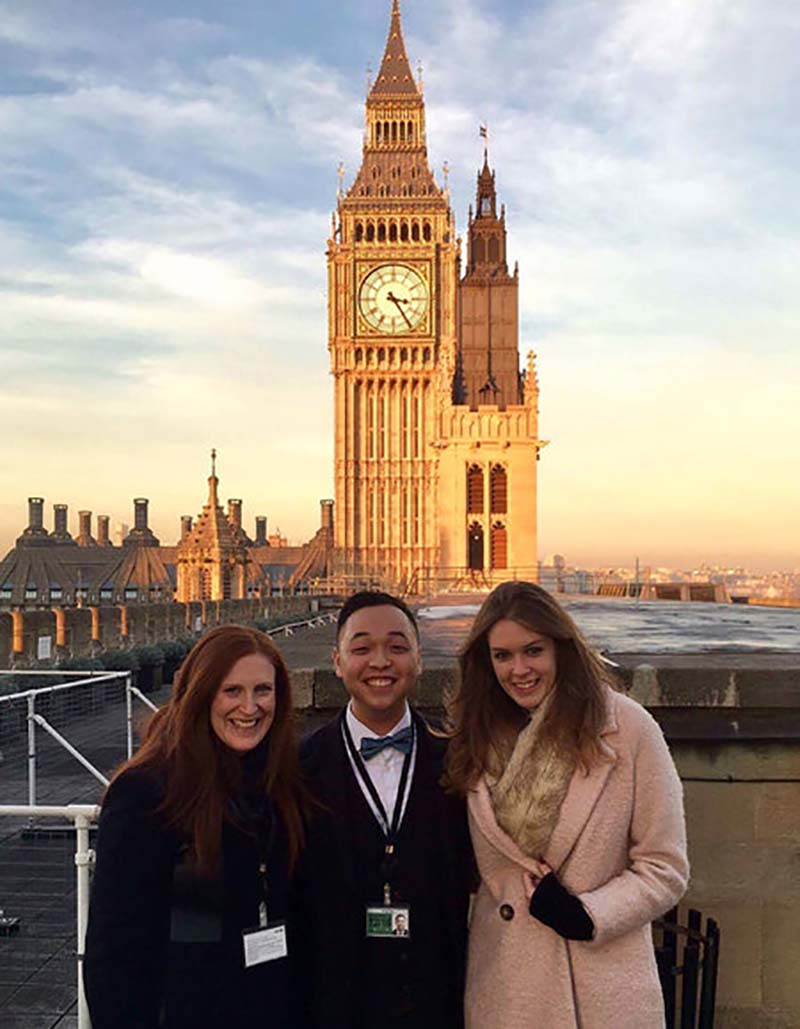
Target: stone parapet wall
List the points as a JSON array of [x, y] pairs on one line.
[[733, 726], [26, 636]]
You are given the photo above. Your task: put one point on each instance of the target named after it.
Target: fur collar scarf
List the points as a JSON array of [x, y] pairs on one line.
[[529, 787]]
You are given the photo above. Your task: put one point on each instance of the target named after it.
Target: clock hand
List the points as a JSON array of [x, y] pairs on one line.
[[396, 302]]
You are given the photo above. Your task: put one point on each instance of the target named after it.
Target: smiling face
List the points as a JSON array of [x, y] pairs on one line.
[[524, 662], [377, 657], [243, 707]]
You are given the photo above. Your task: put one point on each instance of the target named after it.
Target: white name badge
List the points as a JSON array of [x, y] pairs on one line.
[[262, 945]]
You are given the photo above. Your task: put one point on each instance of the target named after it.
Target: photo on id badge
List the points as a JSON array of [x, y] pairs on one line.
[[388, 923]]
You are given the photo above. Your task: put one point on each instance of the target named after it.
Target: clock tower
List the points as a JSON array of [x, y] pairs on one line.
[[393, 270], [436, 440]]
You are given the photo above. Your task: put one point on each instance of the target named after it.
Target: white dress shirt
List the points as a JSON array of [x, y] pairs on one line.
[[385, 768]]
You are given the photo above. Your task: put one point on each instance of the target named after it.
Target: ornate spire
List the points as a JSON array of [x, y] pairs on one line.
[[395, 77], [213, 481]]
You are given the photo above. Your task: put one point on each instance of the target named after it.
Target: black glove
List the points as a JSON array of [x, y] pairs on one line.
[[553, 905]]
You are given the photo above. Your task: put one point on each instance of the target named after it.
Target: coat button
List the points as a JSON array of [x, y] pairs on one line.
[[506, 912]]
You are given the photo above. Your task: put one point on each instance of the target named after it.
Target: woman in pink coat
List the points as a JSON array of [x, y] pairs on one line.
[[576, 813]]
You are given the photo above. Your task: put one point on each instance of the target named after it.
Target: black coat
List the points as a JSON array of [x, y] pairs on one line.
[[163, 947], [416, 983]]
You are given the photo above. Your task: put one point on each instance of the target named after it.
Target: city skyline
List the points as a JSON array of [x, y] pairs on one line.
[[162, 236]]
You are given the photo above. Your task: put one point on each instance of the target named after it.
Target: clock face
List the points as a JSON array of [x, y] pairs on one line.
[[394, 299]]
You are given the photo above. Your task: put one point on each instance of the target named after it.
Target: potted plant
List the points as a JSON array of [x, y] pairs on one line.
[[151, 667], [174, 652]]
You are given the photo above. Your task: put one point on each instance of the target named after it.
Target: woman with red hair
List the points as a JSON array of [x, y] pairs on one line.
[[198, 834]]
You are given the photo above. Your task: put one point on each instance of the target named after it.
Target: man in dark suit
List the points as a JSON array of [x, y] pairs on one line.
[[386, 846]]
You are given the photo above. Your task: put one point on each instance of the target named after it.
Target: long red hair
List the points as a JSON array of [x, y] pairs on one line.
[[201, 772]]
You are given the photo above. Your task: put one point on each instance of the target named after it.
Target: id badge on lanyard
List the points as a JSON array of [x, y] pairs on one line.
[[388, 920], [266, 941]]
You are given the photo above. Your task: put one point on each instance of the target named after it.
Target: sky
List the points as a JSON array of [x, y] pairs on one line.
[[167, 177]]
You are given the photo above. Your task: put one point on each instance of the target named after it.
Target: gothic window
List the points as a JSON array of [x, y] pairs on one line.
[[404, 232], [498, 546], [475, 489], [226, 583], [415, 514], [404, 515], [381, 516], [426, 355], [370, 233], [370, 514], [410, 132], [475, 547], [426, 232], [381, 232], [375, 171], [494, 250], [486, 205], [394, 131], [393, 233], [402, 132], [359, 232], [378, 133], [415, 232], [386, 132], [370, 424], [359, 355], [205, 584], [499, 489], [415, 427]]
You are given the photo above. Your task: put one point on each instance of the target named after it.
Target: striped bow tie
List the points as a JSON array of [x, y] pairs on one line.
[[400, 740]]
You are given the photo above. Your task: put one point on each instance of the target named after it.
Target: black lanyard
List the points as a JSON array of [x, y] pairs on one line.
[[390, 828], [252, 823]]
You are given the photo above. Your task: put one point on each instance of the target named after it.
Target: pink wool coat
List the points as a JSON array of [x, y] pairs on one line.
[[620, 845]]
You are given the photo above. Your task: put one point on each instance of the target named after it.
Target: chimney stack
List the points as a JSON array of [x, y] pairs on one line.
[[60, 533], [102, 531], [326, 515], [186, 526], [140, 514], [85, 529], [261, 531], [235, 513], [35, 532], [141, 534]]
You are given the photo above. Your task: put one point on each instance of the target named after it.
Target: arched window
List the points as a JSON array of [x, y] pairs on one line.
[[480, 251], [394, 131], [386, 132], [499, 489], [475, 547], [475, 489], [359, 232], [381, 232], [426, 232], [498, 546], [494, 250], [378, 134], [392, 232], [404, 232], [402, 132], [415, 232], [410, 132], [370, 233]]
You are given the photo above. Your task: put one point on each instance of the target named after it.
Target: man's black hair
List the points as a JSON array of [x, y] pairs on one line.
[[373, 598]]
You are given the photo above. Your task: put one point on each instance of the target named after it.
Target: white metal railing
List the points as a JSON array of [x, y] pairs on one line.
[[81, 816], [329, 618], [35, 719]]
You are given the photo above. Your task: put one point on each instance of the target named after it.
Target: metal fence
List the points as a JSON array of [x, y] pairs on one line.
[[48, 728], [82, 816]]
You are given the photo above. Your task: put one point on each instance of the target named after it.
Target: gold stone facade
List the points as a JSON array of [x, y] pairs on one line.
[[436, 435]]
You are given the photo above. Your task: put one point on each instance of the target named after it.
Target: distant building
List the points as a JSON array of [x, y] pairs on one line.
[[214, 559]]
